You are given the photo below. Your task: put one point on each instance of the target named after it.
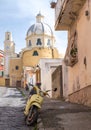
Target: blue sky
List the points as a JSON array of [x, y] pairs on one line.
[[17, 16]]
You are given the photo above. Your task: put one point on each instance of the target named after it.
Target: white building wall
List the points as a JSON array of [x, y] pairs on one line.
[[47, 68], [6, 69], [65, 80]]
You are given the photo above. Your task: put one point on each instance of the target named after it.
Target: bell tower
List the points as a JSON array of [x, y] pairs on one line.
[[9, 45], [9, 49]]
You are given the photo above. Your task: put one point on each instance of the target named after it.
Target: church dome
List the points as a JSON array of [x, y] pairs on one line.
[[40, 27]]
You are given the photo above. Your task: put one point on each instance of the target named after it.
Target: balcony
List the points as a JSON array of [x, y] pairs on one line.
[[66, 12]]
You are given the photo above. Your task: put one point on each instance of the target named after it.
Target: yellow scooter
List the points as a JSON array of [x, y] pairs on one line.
[[33, 105]]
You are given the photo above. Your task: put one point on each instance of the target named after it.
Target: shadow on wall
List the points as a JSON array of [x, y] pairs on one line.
[[57, 82]]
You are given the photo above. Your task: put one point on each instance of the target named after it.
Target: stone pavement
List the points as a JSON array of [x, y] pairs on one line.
[[11, 110], [39, 122], [59, 115]]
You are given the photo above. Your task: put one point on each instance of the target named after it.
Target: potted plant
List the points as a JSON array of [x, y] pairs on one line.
[[53, 4], [73, 52]]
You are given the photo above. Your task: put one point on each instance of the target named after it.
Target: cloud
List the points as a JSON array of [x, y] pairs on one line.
[[21, 9], [30, 9], [7, 8]]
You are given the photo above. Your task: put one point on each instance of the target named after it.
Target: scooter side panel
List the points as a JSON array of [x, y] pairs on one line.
[[36, 98]]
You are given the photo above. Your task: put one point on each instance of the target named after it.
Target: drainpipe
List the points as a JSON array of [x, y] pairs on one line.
[[61, 82]]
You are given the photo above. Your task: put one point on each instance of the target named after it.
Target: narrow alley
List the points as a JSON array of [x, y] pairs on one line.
[[54, 115]]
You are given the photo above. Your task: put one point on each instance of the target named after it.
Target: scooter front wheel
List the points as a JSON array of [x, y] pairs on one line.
[[32, 116]]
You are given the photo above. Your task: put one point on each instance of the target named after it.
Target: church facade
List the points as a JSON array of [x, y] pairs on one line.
[[19, 68]]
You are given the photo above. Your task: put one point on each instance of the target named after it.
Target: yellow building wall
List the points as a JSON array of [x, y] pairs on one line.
[[15, 74], [29, 60], [80, 73], [2, 81]]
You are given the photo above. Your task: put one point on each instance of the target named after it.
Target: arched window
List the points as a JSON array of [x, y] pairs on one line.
[[29, 44], [35, 53], [16, 67], [8, 37], [39, 42]]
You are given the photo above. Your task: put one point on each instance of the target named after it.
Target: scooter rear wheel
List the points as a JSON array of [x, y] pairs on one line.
[[32, 116]]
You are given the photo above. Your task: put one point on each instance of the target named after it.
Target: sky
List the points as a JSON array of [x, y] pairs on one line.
[[16, 16]]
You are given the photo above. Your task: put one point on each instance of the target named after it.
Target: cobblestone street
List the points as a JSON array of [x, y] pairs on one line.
[[11, 110], [60, 115], [54, 115]]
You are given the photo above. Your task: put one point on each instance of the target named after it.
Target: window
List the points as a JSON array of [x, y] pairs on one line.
[[8, 37], [48, 43], [1, 73], [35, 53], [39, 42], [18, 55], [29, 44], [17, 67]]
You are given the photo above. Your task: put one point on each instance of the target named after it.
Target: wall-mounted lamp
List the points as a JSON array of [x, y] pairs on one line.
[[85, 62], [86, 13]]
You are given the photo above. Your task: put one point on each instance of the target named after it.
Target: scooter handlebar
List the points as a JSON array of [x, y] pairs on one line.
[[31, 84]]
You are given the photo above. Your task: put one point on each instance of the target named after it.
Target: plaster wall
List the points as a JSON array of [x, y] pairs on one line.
[[29, 60], [2, 81], [80, 73], [57, 81], [15, 73], [84, 45], [48, 66]]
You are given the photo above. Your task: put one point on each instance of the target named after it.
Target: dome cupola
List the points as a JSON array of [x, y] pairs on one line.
[[39, 34], [39, 18], [40, 27]]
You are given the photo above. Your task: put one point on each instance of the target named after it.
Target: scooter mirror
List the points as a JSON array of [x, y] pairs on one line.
[[55, 89]]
